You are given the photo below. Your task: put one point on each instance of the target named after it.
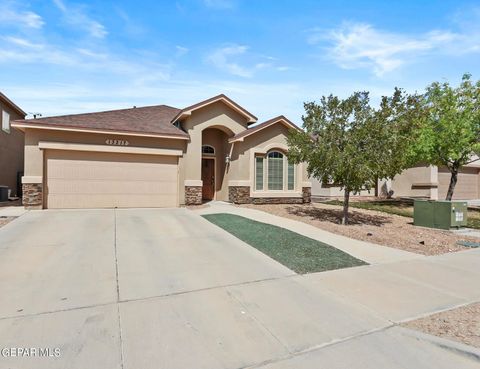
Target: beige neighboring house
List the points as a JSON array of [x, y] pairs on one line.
[[11, 146], [418, 182], [432, 182], [159, 156]]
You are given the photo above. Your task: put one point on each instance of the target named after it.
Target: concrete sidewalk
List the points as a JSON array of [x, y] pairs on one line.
[[166, 289], [12, 211], [371, 253]]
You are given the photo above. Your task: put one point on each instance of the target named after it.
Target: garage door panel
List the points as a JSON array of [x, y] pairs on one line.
[[72, 201], [81, 186], [466, 187], [92, 180]]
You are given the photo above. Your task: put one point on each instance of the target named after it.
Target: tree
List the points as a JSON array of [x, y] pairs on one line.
[[451, 133], [348, 143], [334, 144]]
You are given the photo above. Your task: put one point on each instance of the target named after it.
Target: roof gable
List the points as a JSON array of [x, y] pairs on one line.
[[223, 98], [277, 120]]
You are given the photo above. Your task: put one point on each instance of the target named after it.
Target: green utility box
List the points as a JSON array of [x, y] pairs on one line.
[[440, 214]]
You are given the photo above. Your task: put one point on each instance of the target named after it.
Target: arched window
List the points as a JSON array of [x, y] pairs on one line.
[[208, 150], [273, 172]]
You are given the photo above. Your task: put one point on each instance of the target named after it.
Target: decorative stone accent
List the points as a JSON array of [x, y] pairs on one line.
[[193, 195], [239, 194], [307, 194], [32, 195], [276, 200]]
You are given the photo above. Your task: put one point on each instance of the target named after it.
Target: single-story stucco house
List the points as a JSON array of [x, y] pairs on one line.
[[11, 146], [159, 156], [421, 181]]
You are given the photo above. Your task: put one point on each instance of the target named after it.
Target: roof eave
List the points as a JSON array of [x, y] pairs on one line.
[[12, 105], [188, 111], [22, 126], [281, 119]]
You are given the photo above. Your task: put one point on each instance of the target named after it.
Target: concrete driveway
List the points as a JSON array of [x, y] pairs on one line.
[[164, 288]]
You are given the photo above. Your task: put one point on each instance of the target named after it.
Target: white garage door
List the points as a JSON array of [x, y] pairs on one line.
[[466, 187], [77, 179]]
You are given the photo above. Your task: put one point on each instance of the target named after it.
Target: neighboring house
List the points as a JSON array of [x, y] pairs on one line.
[[11, 146], [418, 182], [432, 182], [321, 190], [159, 156]]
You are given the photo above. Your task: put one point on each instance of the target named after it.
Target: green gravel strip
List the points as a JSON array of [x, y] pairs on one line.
[[298, 253]]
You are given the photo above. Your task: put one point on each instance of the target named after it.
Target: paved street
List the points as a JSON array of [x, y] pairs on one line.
[[164, 288]]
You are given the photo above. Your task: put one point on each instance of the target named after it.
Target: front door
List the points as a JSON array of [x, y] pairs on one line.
[[208, 178]]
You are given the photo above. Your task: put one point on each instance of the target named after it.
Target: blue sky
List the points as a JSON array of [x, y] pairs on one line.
[[65, 56]]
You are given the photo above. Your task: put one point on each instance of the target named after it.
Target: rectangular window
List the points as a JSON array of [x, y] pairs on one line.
[[259, 173], [5, 121], [291, 176], [275, 171]]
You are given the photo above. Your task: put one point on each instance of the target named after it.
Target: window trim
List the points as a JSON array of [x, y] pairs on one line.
[[262, 157], [283, 170], [294, 176], [6, 117], [265, 181], [208, 153]]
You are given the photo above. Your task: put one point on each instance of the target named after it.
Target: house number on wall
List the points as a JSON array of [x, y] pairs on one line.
[[117, 142]]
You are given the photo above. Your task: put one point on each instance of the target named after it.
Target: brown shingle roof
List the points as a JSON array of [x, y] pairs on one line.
[[146, 120], [280, 119]]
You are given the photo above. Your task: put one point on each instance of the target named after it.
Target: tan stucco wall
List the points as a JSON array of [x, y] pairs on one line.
[[273, 137], [419, 181], [217, 115], [34, 160], [11, 150], [414, 182], [467, 186], [333, 191]]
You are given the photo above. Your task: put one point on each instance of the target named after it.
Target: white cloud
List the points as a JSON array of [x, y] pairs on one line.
[[21, 42], [236, 60], [359, 45], [221, 58], [137, 69], [181, 50], [76, 16], [27, 19]]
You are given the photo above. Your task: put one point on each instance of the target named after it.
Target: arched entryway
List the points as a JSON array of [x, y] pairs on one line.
[[215, 150]]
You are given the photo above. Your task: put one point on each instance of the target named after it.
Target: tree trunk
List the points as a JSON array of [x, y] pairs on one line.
[[453, 182], [346, 200]]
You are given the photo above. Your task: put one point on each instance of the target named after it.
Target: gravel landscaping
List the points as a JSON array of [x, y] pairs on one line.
[[5, 220], [371, 226], [461, 324], [299, 253]]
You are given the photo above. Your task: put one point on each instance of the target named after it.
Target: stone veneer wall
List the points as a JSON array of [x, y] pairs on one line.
[[241, 195], [307, 194], [193, 195], [32, 195]]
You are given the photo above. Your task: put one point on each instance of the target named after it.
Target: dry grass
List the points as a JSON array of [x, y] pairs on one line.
[[461, 324], [371, 226]]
